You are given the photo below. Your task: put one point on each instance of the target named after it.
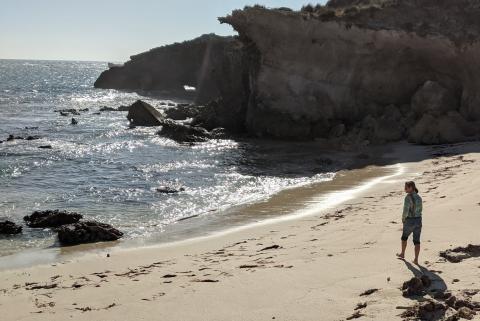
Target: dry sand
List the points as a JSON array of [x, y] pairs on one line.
[[312, 266]]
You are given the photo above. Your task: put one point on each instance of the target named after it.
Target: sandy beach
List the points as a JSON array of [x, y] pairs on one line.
[[332, 263]]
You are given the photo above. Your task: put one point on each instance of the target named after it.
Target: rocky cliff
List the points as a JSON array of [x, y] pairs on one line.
[[197, 63], [353, 71], [369, 70]]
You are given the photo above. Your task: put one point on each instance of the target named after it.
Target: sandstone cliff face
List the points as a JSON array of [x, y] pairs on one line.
[[353, 70]]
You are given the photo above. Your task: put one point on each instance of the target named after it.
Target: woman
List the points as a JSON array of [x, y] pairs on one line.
[[412, 219]]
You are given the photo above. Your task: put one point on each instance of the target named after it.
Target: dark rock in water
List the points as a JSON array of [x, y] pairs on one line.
[[49, 218], [74, 121], [221, 113], [182, 112], [142, 114], [169, 190], [65, 114], [72, 111], [31, 128], [84, 109], [184, 133], [45, 147], [32, 137], [98, 113], [12, 137], [219, 133], [8, 227], [1, 141], [106, 108], [123, 108], [87, 232]]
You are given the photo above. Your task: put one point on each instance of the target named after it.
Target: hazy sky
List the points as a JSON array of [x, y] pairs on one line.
[[108, 30]]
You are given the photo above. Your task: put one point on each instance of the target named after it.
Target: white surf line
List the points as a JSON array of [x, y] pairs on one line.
[[328, 201]]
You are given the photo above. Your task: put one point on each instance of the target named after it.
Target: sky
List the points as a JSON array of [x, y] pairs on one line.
[[108, 30]]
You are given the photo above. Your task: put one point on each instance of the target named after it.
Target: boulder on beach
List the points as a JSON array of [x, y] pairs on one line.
[[9, 227], [142, 114], [87, 232], [183, 133], [50, 218]]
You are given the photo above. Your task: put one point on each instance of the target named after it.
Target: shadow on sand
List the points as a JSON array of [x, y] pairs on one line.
[[438, 286]]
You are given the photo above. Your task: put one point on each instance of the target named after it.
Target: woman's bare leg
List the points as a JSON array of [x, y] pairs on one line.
[[417, 252], [404, 247]]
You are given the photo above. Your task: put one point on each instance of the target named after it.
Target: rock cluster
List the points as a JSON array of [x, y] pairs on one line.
[[9, 227], [70, 229], [142, 114]]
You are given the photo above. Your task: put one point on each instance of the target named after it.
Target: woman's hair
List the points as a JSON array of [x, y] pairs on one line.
[[412, 185]]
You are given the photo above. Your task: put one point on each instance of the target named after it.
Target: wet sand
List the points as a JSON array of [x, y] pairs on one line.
[[312, 264]]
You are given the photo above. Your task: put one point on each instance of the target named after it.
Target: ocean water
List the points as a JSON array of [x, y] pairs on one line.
[[108, 172]]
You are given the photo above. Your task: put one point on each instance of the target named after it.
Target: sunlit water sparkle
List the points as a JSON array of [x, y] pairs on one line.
[[108, 172]]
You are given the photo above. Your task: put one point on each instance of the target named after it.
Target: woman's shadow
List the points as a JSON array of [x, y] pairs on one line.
[[437, 287], [438, 284]]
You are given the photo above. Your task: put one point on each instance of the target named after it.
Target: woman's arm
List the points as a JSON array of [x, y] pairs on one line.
[[406, 208]]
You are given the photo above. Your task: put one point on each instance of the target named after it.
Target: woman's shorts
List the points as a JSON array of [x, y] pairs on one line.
[[412, 225]]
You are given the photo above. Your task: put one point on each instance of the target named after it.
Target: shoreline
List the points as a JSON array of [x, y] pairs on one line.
[[289, 204], [243, 275]]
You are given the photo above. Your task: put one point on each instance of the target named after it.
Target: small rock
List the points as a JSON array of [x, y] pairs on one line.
[[105, 108], [74, 121], [466, 313], [169, 190], [183, 133], [8, 227], [45, 147], [451, 301], [32, 137]]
